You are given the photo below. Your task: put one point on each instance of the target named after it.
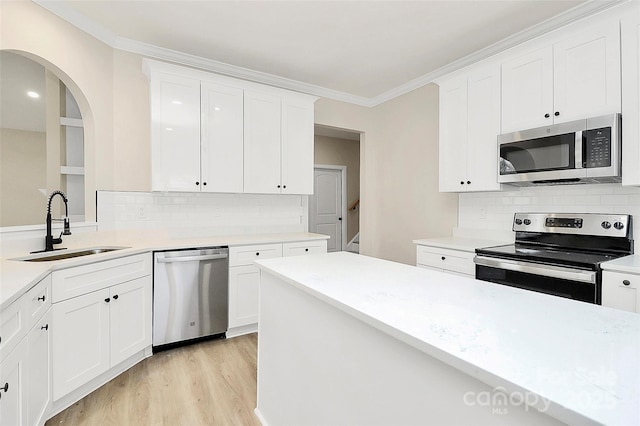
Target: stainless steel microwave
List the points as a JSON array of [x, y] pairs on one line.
[[581, 151]]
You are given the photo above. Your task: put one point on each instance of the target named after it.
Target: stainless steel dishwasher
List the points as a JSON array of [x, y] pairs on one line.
[[190, 295]]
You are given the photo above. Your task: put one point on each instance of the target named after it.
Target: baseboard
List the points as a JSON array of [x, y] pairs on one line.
[[260, 417], [239, 331]]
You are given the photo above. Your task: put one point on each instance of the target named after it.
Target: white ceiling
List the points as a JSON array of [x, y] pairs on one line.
[[361, 49]]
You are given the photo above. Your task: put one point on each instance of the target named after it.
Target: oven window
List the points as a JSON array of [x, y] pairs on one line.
[[555, 286], [550, 153]]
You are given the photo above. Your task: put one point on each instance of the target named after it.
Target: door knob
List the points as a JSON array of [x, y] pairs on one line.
[[339, 218]]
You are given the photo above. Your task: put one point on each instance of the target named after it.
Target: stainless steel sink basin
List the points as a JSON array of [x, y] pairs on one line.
[[67, 254]]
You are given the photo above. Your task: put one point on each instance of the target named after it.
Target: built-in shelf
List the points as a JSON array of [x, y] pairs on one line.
[[70, 170], [71, 122]]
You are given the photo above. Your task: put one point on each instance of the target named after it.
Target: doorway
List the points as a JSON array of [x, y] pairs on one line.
[[327, 205]]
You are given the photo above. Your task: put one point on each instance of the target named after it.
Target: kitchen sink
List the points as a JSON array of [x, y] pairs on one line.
[[67, 254]]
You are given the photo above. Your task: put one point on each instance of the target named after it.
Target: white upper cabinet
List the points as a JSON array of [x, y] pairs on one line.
[[175, 133], [212, 133], [576, 77], [527, 91], [297, 147], [469, 126], [586, 74], [278, 144], [262, 135], [221, 155], [453, 134], [631, 98]]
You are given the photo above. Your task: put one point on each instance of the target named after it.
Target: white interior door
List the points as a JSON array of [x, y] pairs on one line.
[[325, 206]]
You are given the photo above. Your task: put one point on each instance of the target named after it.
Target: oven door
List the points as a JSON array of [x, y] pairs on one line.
[[571, 283]]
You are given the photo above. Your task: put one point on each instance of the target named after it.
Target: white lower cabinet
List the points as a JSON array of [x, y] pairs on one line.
[[38, 379], [96, 331], [621, 291], [80, 341], [244, 282], [244, 278], [446, 260], [25, 385], [12, 387]]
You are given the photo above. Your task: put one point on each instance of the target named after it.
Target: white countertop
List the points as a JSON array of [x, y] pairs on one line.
[[583, 359], [17, 277], [629, 264], [459, 243]]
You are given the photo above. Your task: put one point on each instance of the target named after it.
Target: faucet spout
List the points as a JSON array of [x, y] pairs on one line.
[[49, 241]]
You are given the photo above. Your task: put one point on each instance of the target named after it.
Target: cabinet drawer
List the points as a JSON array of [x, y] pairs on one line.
[[13, 326], [245, 255], [304, 247], [38, 300], [73, 282], [621, 291], [448, 260]]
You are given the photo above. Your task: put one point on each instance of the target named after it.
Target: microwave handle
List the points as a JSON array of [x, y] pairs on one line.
[[580, 146]]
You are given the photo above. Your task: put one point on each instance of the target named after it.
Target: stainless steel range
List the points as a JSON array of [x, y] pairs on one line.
[[558, 253]]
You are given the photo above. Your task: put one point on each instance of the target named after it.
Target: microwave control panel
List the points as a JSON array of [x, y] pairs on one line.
[[597, 151]]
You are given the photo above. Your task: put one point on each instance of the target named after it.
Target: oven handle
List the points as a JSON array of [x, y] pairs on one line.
[[589, 277]]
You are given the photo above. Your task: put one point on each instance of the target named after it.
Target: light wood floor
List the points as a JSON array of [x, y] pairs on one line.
[[209, 383]]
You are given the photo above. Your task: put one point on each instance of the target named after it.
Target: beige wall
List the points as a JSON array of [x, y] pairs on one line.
[[343, 152], [398, 152], [23, 158], [85, 65], [399, 172]]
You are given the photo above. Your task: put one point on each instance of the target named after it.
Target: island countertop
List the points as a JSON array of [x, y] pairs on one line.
[[583, 359]]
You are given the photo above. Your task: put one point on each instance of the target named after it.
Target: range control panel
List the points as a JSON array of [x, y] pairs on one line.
[[611, 225]]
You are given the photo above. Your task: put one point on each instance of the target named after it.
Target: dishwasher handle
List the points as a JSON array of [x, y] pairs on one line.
[[192, 258]]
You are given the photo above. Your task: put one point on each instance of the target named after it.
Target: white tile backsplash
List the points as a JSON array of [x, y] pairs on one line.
[[494, 210], [201, 213]]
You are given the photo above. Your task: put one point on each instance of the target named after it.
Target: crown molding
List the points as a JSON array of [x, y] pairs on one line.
[[61, 10], [80, 21], [582, 11], [181, 58]]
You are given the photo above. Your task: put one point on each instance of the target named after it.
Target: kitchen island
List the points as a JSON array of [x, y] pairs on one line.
[[349, 339]]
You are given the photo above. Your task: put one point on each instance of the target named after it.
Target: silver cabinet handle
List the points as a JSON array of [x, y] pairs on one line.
[[537, 269], [192, 258]]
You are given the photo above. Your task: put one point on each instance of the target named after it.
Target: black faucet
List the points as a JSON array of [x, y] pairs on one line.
[[49, 241]]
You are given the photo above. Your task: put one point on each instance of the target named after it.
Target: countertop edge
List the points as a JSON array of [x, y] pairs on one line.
[[42, 269], [555, 410]]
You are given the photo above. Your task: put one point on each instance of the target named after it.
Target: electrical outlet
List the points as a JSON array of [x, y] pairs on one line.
[[141, 212], [483, 212]]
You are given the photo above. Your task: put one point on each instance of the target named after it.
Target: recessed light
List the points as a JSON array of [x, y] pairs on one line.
[[169, 129], [176, 102], [33, 94], [217, 108]]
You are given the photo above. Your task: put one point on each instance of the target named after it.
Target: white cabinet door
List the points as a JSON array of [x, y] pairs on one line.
[[244, 284], [130, 318], [527, 91], [297, 147], [12, 387], [453, 135], [262, 121], [483, 128], [175, 132], [631, 99], [80, 345], [621, 291], [38, 382], [222, 138], [586, 70]]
